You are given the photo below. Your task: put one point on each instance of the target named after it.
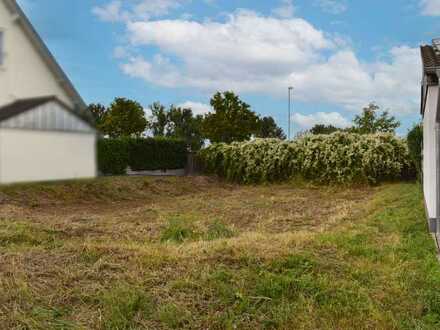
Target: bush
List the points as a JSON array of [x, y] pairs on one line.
[[156, 154], [141, 154], [415, 141], [112, 156], [337, 158]]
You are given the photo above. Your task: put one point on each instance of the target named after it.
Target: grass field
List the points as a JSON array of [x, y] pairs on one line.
[[144, 253]]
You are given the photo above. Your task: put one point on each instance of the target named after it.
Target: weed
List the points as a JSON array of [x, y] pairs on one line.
[[178, 231], [217, 230], [124, 305]]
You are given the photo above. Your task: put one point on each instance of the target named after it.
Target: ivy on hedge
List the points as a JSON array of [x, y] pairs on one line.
[[140, 154], [337, 158]]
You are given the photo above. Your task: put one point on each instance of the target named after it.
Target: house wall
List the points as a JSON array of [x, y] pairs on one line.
[[430, 148], [36, 155], [24, 73]]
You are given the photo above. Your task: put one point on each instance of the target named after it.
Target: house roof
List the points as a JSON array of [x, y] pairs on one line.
[[20, 106], [430, 58], [45, 53]]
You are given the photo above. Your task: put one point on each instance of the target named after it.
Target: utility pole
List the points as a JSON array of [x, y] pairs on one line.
[[290, 91]]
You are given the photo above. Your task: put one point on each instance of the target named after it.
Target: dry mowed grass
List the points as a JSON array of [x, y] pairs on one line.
[[145, 253]]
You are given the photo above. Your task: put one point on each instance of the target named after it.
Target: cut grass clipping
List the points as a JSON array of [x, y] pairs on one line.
[[299, 258]]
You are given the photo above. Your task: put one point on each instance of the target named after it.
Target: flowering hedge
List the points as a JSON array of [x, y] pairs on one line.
[[339, 158]]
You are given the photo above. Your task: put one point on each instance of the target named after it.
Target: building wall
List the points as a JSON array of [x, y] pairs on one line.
[[24, 73], [36, 155], [430, 148]]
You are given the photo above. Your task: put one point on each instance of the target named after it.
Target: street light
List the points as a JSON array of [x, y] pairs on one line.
[[290, 92]]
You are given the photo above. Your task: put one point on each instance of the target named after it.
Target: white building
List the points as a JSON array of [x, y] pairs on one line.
[[45, 133], [431, 132]]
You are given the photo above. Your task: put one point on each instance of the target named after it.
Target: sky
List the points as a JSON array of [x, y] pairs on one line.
[[339, 55]]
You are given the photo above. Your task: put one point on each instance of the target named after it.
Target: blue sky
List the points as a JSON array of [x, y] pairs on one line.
[[338, 54]]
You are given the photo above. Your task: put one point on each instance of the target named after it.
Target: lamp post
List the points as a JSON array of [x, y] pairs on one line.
[[290, 92]]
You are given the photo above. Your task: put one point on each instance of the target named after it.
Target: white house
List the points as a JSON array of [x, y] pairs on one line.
[[45, 133], [430, 108]]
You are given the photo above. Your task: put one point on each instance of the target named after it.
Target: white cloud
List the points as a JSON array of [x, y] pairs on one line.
[[306, 122], [285, 10], [430, 7], [197, 107], [332, 6], [118, 10], [252, 53]]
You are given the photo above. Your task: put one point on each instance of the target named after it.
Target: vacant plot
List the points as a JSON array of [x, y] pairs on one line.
[[135, 253]]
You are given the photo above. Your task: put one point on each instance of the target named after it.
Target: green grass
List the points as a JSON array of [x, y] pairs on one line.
[[262, 257]]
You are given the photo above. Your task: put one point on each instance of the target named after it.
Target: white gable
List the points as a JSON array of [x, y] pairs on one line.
[[50, 116], [25, 72]]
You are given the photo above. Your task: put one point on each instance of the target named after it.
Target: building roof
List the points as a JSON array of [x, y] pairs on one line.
[[20, 106], [45, 53], [430, 58]]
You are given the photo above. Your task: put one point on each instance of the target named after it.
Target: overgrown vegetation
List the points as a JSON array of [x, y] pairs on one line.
[[300, 257], [338, 158], [415, 141]]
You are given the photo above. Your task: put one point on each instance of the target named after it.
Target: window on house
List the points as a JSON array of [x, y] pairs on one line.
[[2, 51]]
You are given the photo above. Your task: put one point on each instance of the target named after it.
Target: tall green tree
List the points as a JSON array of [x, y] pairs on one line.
[[232, 119], [125, 118], [184, 125], [159, 119], [370, 122], [99, 113], [269, 129]]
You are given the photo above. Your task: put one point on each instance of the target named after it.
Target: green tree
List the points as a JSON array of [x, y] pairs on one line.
[[184, 125], [232, 119], [269, 129], [99, 113], [125, 118], [369, 122], [323, 129], [159, 122]]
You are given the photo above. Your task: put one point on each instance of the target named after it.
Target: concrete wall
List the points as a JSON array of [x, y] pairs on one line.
[[33, 155], [430, 149], [24, 73]]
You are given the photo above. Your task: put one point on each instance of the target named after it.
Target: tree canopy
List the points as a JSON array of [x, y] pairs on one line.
[[369, 122], [124, 117], [269, 129], [178, 123], [323, 129], [232, 119]]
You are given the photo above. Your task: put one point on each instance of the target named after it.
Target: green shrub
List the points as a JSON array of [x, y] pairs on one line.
[[337, 158], [149, 154], [141, 154], [112, 156], [415, 140]]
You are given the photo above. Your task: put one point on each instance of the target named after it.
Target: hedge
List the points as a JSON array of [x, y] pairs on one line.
[[112, 156], [337, 158], [140, 154], [415, 141], [156, 154]]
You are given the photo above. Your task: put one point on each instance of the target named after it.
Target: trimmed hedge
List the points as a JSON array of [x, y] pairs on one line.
[[140, 154], [337, 158], [156, 154], [112, 156]]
